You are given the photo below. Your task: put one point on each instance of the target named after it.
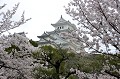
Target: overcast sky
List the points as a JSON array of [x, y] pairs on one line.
[[42, 12]]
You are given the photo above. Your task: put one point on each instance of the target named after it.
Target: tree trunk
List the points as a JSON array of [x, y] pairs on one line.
[[57, 67]]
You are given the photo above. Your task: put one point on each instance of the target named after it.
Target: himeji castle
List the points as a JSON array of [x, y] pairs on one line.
[[62, 36]]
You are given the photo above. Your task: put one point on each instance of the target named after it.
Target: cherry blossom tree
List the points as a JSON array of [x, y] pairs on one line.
[[99, 30], [15, 50], [7, 22], [100, 20], [15, 57]]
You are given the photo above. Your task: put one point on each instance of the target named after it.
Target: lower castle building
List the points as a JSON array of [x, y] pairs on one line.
[[62, 36]]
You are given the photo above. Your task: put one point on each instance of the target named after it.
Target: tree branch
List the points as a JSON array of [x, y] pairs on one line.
[[70, 73], [115, 75]]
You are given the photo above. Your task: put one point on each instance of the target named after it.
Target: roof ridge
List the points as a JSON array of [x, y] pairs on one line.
[[61, 20]]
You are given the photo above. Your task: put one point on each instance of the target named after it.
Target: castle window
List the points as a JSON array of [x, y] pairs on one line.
[[60, 27]]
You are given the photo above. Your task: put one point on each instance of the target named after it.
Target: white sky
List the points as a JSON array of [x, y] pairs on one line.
[[42, 12]]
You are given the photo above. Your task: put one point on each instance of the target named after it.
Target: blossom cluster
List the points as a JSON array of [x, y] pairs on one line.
[[99, 22]]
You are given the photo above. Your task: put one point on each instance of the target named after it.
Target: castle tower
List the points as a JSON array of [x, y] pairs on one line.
[[61, 35]]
